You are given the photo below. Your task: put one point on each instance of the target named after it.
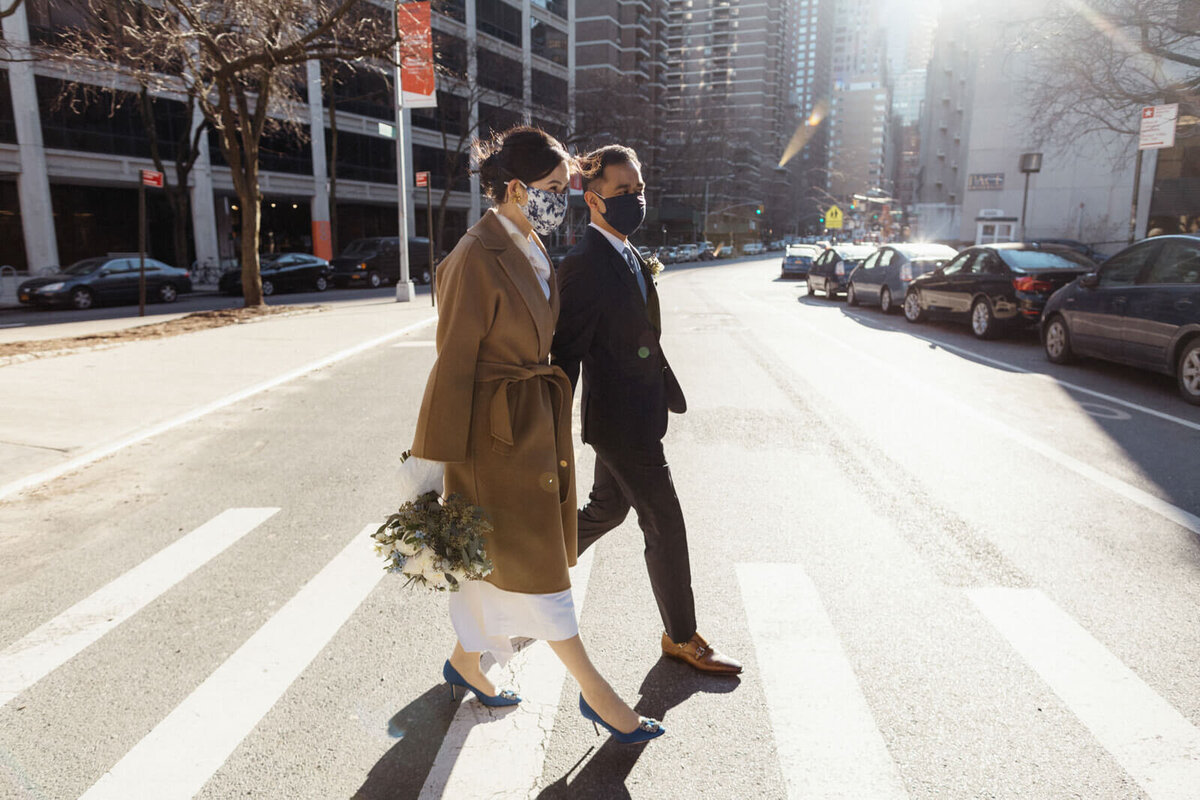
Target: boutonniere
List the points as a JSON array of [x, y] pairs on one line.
[[654, 265]]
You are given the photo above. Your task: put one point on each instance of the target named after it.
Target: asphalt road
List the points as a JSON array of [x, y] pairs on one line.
[[952, 570]]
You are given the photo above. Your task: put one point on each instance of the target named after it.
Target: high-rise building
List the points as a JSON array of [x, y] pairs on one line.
[[731, 114], [812, 48], [860, 152]]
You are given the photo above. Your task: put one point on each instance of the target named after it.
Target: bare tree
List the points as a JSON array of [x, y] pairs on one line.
[[243, 62], [1094, 63]]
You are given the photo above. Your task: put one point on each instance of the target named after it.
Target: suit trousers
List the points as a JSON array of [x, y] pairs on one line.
[[640, 478]]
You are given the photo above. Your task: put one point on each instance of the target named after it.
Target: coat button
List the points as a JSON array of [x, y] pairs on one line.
[[562, 464]]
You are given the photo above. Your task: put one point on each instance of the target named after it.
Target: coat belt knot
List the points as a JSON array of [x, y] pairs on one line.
[[504, 376]]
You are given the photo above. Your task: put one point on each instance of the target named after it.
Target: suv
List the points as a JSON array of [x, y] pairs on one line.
[[376, 261]]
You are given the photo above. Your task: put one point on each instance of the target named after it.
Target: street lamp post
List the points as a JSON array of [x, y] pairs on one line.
[[1030, 163]]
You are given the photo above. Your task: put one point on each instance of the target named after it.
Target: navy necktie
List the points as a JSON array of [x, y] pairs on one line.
[[637, 273]]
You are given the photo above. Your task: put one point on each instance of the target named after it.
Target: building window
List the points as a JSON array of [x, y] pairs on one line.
[[499, 73], [363, 158], [494, 119], [444, 166], [549, 91], [499, 19], [450, 53], [548, 42], [557, 7], [450, 115], [454, 9], [94, 127]]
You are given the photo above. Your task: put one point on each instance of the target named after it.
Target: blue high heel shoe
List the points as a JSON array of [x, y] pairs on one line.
[[647, 730], [456, 681]]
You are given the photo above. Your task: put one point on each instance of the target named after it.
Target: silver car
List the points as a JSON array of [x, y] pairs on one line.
[[884, 277]]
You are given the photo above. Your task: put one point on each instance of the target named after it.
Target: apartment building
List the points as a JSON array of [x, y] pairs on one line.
[[69, 175]]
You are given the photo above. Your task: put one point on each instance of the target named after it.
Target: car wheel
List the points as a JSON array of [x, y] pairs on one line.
[[82, 298], [983, 321], [268, 288], [809, 285], [375, 279], [1057, 341], [167, 293], [424, 277], [885, 301], [851, 297], [912, 308], [1188, 372], [322, 283]]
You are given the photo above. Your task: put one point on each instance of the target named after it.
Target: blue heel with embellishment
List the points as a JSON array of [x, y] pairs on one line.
[[648, 728], [503, 698]]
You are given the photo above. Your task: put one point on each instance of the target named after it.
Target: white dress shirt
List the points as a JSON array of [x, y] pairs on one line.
[[532, 250]]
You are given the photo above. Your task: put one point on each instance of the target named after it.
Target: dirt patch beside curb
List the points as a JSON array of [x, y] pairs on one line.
[[16, 352]]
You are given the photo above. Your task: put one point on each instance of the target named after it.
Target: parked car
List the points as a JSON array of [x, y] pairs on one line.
[[666, 254], [797, 260], [1092, 253], [884, 276], [753, 248], [376, 261], [688, 252], [830, 271], [994, 287], [107, 279], [282, 272], [1142, 307]]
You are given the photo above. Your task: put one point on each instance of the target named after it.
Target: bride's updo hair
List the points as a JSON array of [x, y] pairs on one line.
[[524, 152]]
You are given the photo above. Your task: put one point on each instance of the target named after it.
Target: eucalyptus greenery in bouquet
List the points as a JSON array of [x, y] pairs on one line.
[[435, 542]]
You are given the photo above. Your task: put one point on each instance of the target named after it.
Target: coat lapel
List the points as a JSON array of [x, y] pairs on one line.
[[653, 311], [609, 254], [515, 263]]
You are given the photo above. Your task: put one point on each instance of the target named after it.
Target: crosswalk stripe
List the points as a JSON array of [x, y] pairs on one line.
[[45, 649], [466, 763], [177, 757], [1147, 736], [827, 740]]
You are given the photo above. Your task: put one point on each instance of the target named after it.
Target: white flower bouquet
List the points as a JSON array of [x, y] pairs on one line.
[[435, 542]]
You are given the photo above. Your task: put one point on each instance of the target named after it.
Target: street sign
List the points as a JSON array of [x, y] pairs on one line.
[[152, 178], [833, 217], [1158, 127], [421, 178]]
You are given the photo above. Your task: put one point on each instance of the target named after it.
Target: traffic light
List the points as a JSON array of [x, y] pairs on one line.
[[851, 205], [821, 220], [758, 211]]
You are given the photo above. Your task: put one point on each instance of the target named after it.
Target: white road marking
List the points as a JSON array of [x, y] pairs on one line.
[[1105, 412], [828, 742], [467, 764], [421, 343], [30, 481], [1155, 744], [1141, 497], [45, 649], [14, 325], [176, 759], [1187, 423]]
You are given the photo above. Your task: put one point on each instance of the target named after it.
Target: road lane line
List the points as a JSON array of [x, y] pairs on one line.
[[1147, 736], [1187, 423], [30, 481], [828, 742], [467, 764], [1146, 500], [176, 759], [45, 649]]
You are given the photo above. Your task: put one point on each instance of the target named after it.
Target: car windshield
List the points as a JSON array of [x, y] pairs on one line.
[[1045, 259], [88, 265], [359, 246], [806, 250]]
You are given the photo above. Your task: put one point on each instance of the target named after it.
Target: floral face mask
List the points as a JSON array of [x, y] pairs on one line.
[[545, 210]]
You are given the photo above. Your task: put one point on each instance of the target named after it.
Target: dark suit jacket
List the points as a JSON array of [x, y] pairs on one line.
[[605, 328]]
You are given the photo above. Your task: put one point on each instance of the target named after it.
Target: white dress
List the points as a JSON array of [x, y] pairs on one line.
[[484, 616]]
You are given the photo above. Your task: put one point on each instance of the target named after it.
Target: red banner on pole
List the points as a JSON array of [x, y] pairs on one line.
[[416, 55], [152, 178], [422, 179]]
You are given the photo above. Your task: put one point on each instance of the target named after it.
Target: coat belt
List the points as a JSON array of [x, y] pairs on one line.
[[504, 376]]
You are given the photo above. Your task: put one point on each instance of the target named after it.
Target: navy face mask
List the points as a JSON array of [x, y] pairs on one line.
[[624, 212]]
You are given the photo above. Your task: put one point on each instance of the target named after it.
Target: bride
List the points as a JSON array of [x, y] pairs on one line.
[[498, 416]]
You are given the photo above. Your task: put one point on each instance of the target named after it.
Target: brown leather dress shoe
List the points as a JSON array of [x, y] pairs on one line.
[[699, 654]]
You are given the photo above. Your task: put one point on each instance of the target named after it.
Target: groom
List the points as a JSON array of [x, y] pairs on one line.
[[610, 324]]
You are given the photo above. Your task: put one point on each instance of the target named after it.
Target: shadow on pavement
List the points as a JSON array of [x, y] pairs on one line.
[[667, 685], [420, 726]]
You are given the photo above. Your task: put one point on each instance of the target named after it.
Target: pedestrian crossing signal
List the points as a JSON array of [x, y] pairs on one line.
[[758, 211]]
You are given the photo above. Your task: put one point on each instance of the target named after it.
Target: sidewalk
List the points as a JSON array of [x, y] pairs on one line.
[[64, 412]]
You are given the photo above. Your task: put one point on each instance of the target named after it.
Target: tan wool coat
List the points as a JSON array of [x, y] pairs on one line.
[[498, 414]]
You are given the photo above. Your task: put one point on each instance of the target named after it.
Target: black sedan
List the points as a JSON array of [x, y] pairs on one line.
[[996, 286], [282, 272], [107, 279], [832, 268], [1141, 308]]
